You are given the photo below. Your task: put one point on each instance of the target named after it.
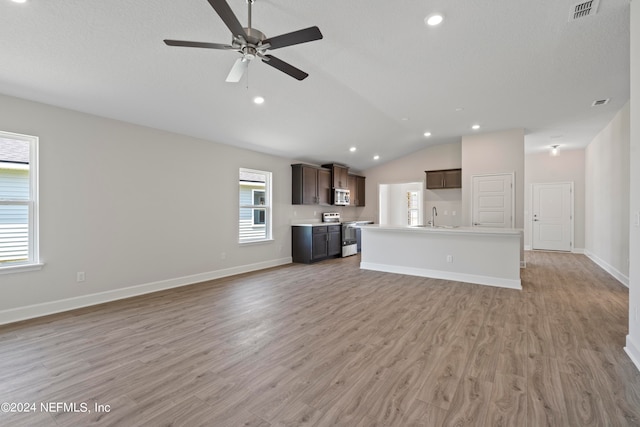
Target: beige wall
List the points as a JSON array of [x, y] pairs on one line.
[[607, 197], [544, 168], [633, 339], [132, 206], [488, 153], [411, 169]]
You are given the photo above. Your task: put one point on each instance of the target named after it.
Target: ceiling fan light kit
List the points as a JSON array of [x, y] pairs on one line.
[[252, 43]]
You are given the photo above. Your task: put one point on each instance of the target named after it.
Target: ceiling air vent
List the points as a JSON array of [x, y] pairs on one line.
[[582, 9], [600, 102]]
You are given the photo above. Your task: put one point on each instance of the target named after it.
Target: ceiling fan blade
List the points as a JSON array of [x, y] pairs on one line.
[[284, 67], [204, 45], [226, 14], [237, 71], [296, 37]]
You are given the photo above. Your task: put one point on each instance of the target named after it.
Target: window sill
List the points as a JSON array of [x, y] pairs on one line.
[[254, 242], [21, 268]]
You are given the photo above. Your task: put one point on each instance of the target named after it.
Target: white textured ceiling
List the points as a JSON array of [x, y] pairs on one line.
[[378, 80]]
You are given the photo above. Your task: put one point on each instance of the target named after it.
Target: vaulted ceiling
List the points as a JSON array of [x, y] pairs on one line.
[[378, 80]]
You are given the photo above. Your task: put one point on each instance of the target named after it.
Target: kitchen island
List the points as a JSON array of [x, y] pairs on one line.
[[485, 256]]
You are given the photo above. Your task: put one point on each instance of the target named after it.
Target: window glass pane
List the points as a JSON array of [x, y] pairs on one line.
[[14, 169], [249, 229], [14, 233]]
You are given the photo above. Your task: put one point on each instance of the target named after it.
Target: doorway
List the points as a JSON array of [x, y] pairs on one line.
[[493, 200], [552, 216], [401, 204]]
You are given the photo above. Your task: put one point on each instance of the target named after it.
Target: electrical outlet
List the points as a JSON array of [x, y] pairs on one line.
[[80, 276], [449, 258]]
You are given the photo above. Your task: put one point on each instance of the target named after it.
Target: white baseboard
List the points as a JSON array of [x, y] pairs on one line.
[[52, 307], [445, 275], [608, 268], [633, 351], [580, 251], [527, 247]]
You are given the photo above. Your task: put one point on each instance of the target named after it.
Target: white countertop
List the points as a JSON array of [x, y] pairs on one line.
[[444, 229]]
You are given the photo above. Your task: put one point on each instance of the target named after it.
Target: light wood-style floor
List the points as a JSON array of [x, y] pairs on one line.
[[329, 344]]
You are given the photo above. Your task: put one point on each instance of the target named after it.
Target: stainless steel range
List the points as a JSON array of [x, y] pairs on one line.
[[348, 235]]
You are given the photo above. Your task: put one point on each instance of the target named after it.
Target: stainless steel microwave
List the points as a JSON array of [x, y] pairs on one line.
[[341, 197]]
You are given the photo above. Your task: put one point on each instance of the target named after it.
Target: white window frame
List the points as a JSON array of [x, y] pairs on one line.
[[267, 207], [33, 261]]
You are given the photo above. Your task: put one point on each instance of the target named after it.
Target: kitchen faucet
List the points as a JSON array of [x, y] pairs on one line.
[[434, 214]]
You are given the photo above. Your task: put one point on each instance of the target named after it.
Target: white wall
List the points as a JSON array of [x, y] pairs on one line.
[[488, 153], [411, 169], [133, 206], [633, 339], [393, 202], [607, 197], [544, 168]]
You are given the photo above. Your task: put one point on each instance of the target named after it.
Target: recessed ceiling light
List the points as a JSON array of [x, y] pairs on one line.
[[352, 149], [459, 109], [19, 1], [433, 19], [427, 134], [405, 119], [258, 100], [376, 157], [475, 127]]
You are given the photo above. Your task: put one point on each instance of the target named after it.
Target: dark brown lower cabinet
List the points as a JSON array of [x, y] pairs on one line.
[[315, 243]]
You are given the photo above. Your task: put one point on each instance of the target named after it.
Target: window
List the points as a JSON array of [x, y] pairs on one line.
[[18, 201], [255, 206], [413, 208]]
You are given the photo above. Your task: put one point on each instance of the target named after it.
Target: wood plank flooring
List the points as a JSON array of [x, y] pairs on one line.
[[329, 344]]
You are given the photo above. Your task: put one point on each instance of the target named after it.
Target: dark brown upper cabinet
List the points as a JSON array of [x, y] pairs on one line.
[[310, 185], [339, 175], [356, 185], [445, 178]]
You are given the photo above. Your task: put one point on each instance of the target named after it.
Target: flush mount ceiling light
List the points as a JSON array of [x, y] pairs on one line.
[[258, 100], [353, 149], [433, 19], [427, 134], [376, 157], [475, 127]]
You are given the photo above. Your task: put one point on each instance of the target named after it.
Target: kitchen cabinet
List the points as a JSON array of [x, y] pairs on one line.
[[310, 185], [446, 178], [314, 243], [357, 190], [339, 175]]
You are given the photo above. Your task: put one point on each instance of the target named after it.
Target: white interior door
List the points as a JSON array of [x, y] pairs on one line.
[[492, 200], [552, 218]]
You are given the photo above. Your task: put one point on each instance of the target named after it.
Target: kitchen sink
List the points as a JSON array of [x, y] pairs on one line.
[[437, 226]]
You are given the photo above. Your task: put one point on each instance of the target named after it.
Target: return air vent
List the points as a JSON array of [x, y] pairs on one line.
[[600, 102], [582, 9]]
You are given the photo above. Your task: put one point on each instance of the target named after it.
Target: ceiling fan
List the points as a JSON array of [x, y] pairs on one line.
[[251, 43]]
